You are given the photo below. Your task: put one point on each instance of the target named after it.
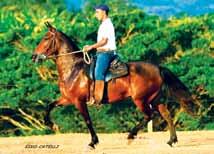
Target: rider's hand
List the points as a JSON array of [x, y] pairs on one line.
[[87, 48]]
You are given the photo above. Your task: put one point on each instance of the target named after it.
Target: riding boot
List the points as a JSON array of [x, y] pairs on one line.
[[99, 89]]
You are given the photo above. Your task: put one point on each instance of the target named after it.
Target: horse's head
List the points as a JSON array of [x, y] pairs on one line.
[[48, 44]]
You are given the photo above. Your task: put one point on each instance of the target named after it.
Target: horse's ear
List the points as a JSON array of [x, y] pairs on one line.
[[50, 27], [47, 24]]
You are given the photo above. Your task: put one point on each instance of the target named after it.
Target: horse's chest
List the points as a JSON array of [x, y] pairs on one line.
[[73, 92]]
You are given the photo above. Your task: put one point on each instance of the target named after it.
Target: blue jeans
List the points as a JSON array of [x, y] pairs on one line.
[[102, 64]]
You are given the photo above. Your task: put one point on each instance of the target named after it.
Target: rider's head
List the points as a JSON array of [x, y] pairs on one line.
[[101, 12]]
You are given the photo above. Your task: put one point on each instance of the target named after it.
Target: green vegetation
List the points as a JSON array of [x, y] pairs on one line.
[[185, 45]]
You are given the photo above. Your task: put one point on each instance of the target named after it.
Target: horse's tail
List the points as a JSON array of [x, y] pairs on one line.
[[179, 91]]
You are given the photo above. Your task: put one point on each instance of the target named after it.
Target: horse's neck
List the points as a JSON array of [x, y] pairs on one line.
[[66, 64]]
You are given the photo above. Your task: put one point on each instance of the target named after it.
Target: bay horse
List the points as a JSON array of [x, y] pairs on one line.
[[144, 84]]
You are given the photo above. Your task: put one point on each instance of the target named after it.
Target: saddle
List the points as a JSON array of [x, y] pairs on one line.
[[116, 69]]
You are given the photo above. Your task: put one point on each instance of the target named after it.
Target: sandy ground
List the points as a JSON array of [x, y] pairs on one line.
[[196, 142]]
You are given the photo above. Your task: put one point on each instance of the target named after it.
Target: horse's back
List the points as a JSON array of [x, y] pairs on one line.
[[144, 69], [143, 81]]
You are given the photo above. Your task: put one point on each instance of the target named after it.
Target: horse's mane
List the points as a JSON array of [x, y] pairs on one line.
[[78, 60], [70, 40]]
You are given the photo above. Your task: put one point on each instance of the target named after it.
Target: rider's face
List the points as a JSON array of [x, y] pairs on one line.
[[99, 14]]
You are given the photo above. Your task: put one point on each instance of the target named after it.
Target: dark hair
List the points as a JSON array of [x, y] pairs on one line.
[[103, 7]]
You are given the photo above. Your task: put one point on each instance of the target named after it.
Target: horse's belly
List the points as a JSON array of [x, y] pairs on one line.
[[118, 90]]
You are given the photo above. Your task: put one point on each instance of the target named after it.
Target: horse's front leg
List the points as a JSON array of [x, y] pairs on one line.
[[47, 118], [82, 107]]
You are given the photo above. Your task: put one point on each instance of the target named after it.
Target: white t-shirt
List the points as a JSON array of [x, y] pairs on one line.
[[106, 30]]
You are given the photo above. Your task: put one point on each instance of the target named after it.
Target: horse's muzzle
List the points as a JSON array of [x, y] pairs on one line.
[[38, 58]]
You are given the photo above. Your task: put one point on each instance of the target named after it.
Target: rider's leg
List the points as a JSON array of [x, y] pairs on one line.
[[102, 64]]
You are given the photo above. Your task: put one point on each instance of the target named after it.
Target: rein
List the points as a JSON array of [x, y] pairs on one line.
[[86, 57]]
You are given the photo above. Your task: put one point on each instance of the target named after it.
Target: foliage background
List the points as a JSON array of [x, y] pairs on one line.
[[184, 44]]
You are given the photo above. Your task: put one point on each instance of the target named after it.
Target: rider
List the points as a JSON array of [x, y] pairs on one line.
[[105, 47]]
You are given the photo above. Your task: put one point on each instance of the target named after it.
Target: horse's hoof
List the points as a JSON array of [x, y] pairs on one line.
[[88, 149], [55, 128], [94, 142], [131, 136], [91, 146], [171, 141]]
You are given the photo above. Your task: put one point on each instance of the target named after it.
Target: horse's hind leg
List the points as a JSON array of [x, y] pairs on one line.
[[139, 126], [147, 117], [166, 115]]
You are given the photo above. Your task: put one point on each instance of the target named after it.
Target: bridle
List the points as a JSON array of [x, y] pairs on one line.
[[52, 44], [52, 47]]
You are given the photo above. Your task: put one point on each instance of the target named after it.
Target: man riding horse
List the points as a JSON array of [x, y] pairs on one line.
[[105, 47], [146, 84]]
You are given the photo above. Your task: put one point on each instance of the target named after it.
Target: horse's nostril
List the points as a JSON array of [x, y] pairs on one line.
[[33, 57]]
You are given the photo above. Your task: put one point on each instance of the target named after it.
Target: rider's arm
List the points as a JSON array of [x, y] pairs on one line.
[[100, 43]]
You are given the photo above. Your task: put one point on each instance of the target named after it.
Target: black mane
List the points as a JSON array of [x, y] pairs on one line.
[[70, 40], [73, 44]]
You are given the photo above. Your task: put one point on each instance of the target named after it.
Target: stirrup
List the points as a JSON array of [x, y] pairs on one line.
[[91, 102], [98, 105]]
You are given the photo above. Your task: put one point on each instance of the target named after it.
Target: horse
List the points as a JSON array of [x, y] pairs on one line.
[[144, 84]]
